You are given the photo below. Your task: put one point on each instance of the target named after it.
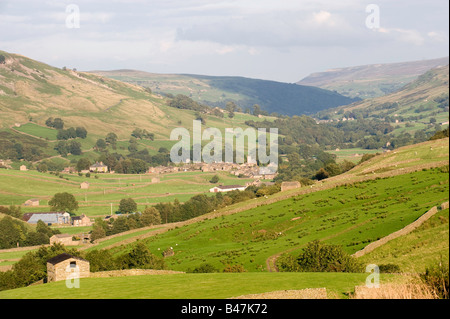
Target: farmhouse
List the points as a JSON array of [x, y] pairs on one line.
[[99, 168], [228, 188], [69, 170], [23, 168], [63, 266], [65, 239], [82, 220], [32, 202], [48, 218]]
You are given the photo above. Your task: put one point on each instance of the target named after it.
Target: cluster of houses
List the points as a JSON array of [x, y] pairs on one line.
[[5, 164], [57, 218], [245, 170]]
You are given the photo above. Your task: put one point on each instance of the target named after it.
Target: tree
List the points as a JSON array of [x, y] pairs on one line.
[[322, 174], [75, 148], [141, 257], [137, 133], [100, 260], [150, 216], [11, 233], [163, 150], [127, 205], [97, 233], [120, 225], [63, 202], [42, 167], [321, 257], [333, 169], [2, 59], [100, 144], [83, 164], [111, 139], [58, 123], [81, 132], [214, 179], [43, 228], [256, 110], [49, 122]]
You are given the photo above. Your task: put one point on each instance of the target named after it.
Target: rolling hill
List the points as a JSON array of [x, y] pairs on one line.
[[418, 106], [32, 91], [353, 209], [374, 199], [282, 98], [368, 81]]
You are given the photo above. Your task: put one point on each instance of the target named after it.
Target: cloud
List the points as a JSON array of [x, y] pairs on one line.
[[270, 39], [413, 37], [322, 17], [438, 36]]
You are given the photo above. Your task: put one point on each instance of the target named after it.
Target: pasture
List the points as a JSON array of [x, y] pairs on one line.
[[106, 190], [351, 215], [193, 286]]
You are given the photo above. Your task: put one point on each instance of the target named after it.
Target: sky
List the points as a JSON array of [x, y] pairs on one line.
[[280, 40]]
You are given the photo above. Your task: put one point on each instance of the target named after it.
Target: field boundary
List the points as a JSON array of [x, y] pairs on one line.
[[404, 231]]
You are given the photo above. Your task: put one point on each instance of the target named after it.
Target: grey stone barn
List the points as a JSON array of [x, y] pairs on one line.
[[62, 266]]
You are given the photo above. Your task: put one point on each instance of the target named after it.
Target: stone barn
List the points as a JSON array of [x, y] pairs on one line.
[[290, 185], [84, 185], [64, 265], [65, 239]]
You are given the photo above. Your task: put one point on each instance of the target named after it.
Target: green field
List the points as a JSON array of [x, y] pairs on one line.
[[413, 253], [192, 286], [38, 131], [351, 215], [16, 187]]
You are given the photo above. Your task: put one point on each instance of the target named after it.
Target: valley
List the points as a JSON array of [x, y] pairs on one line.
[[349, 173]]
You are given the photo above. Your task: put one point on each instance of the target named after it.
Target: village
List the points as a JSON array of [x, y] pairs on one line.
[[62, 219]]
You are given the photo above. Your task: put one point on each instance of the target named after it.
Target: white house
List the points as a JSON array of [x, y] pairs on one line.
[[227, 188]]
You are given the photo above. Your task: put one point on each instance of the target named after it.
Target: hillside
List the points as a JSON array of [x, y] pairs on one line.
[[31, 92], [375, 199], [418, 106], [369, 81], [282, 98], [378, 197]]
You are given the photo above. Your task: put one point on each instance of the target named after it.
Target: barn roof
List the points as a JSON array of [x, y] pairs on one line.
[[60, 258], [230, 186], [49, 217], [97, 164]]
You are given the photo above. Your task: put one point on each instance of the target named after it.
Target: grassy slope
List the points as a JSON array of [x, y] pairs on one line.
[[283, 98], [245, 237], [33, 90], [418, 94], [192, 286], [410, 194], [16, 187], [421, 248], [368, 81], [349, 216]]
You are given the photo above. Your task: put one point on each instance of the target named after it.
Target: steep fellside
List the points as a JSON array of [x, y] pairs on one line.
[[283, 98], [368, 81]]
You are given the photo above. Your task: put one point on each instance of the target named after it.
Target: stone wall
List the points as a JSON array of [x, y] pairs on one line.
[[406, 230]]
